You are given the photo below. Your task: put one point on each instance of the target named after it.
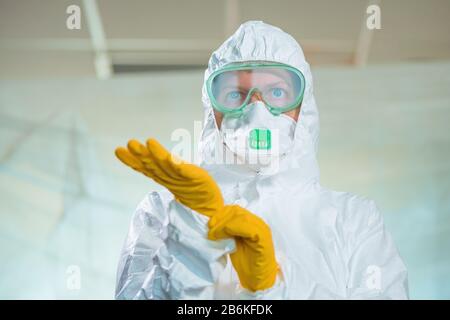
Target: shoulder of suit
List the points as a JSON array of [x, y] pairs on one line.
[[351, 207]]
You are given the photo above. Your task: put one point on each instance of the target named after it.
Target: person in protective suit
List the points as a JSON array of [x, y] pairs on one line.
[[252, 221]]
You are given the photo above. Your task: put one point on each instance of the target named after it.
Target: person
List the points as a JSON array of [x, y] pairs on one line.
[[259, 226]]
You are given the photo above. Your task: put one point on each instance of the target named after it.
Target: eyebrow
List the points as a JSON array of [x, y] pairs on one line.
[[269, 84]]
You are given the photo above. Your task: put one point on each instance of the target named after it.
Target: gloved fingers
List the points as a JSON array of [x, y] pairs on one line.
[[185, 175], [157, 151], [229, 212], [182, 190], [157, 166], [153, 174], [144, 154], [128, 159], [141, 152], [137, 149], [161, 153], [235, 226], [191, 171], [158, 170], [243, 228], [166, 161], [179, 168], [193, 194], [176, 187]]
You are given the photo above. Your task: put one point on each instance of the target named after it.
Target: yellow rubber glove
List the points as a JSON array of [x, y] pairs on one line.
[[254, 258], [190, 184]]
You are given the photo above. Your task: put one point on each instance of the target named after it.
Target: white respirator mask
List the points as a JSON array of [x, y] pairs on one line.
[[256, 136]]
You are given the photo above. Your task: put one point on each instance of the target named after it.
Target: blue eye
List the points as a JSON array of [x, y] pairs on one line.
[[234, 95], [277, 92]]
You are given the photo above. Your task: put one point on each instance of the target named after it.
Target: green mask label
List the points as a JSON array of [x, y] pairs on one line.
[[260, 139]]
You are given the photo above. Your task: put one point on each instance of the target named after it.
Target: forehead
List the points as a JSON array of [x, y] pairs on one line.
[[253, 77]]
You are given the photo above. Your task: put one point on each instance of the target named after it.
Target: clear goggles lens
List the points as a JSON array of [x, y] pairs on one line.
[[280, 88]]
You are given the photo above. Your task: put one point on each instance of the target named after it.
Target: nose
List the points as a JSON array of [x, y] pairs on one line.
[[256, 96]]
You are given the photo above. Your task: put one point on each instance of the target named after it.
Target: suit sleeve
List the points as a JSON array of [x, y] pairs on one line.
[[376, 270], [158, 261]]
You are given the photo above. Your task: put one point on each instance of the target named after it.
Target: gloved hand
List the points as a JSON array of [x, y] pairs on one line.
[[254, 258], [190, 184]]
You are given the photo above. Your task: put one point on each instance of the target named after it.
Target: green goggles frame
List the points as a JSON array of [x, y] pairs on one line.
[[253, 65]]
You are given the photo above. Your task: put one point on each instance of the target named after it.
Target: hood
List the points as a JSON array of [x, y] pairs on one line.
[[258, 41]]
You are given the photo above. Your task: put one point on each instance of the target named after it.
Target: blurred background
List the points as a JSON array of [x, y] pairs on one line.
[[135, 68]]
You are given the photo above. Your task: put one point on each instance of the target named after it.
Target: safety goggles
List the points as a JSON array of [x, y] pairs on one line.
[[279, 86]]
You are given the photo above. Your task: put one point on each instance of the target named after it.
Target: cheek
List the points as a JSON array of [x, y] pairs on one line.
[[293, 113], [219, 117]]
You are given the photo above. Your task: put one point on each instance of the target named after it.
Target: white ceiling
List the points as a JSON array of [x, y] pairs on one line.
[[34, 40]]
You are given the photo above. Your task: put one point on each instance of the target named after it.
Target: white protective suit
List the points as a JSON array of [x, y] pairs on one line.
[[329, 245]]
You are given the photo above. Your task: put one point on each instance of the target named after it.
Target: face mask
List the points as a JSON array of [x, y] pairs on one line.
[[257, 136]]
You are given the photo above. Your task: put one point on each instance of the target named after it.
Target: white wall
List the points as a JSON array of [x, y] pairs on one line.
[[65, 200]]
